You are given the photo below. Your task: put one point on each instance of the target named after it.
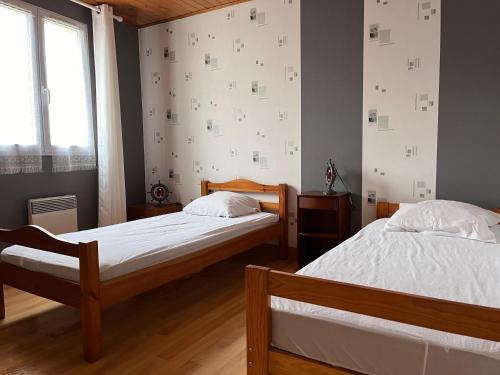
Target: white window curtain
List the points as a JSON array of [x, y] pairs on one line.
[[20, 136], [112, 204], [19, 159]]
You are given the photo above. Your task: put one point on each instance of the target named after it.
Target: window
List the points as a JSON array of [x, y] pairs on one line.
[[20, 118], [18, 76], [45, 100]]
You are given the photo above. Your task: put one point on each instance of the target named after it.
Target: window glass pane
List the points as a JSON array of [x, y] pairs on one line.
[[19, 121], [69, 114]]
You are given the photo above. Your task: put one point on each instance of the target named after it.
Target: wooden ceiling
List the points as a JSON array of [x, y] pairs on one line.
[[142, 13]]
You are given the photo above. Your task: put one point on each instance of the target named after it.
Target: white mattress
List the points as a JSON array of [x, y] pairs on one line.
[[131, 246], [442, 267]]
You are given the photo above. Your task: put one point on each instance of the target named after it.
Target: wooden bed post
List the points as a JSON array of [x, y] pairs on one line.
[[90, 304], [2, 301], [258, 304], [283, 214], [382, 210], [204, 188]]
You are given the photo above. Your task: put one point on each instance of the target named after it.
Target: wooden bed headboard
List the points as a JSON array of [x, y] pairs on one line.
[[247, 186], [387, 209]]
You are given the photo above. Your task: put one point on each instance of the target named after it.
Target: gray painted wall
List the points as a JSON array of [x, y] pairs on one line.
[[127, 54], [15, 190], [332, 93], [469, 103]]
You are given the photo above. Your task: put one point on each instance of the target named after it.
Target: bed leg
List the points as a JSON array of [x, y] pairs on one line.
[[2, 302], [90, 305], [91, 329], [258, 308], [283, 214]]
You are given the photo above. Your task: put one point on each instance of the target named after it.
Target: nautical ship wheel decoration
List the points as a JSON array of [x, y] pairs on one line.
[[330, 176], [159, 193]]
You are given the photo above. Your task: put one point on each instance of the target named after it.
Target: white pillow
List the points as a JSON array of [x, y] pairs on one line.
[[491, 217], [223, 204], [444, 218]]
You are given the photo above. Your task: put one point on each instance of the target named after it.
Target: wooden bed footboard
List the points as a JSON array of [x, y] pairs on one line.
[[262, 283], [84, 295]]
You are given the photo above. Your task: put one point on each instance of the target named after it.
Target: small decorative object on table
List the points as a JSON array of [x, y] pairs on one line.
[[159, 192], [330, 176]]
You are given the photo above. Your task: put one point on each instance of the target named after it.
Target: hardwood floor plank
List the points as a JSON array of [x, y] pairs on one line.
[[191, 326]]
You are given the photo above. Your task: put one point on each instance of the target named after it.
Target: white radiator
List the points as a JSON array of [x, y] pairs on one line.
[[57, 214]]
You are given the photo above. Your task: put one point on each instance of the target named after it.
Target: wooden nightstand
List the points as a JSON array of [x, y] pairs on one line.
[[323, 221], [142, 211]]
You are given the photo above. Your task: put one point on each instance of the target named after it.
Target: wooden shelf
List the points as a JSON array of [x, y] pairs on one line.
[[323, 221], [319, 235]]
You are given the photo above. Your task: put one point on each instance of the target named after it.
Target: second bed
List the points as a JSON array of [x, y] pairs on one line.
[[432, 266]]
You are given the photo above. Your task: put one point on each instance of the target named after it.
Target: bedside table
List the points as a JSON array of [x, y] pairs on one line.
[[142, 211], [323, 221]]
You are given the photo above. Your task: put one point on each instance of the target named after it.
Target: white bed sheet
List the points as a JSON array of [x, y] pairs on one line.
[[131, 246], [442, 267]]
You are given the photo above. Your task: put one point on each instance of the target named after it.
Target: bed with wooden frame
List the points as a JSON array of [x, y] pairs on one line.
[[262, 283], [92, 296]]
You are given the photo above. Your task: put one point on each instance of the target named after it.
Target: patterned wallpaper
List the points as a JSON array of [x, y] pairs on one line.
[[400, 101], [221, 98]]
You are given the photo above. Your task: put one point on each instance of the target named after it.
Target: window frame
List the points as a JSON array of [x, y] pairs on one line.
[[42, 92], [43, 14]]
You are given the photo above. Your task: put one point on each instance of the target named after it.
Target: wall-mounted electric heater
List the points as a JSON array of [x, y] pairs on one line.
[[56, 214]]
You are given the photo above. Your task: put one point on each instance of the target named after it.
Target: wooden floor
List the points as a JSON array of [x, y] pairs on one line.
[[192, 326]]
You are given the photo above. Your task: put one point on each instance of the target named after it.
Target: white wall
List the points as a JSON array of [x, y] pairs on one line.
[[230, 83], [400, 93]]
